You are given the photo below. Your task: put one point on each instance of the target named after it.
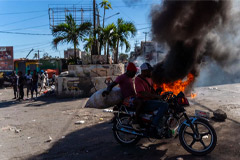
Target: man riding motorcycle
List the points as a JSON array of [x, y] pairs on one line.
[[125, 82], [144, 89]]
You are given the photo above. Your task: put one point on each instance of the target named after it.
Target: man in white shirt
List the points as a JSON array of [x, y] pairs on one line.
[[42, 81]]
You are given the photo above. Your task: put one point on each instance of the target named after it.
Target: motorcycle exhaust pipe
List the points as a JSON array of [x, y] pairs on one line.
[[122, 129]]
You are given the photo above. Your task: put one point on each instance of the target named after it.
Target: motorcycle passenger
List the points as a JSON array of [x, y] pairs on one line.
[[144, 89], [125, 82]]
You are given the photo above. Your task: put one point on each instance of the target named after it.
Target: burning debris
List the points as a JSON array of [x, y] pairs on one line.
[[193, 31], [178, 85]]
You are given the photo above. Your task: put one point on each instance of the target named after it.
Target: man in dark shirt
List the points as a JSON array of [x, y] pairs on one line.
[[14, 78], [20, 85], [34, 83]]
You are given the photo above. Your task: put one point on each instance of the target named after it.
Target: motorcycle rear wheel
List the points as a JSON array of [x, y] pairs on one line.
[[123, 137], [202, 144]]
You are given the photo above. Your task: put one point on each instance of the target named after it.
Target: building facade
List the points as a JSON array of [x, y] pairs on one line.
[[70, 53], [6, 58], [149, 51]]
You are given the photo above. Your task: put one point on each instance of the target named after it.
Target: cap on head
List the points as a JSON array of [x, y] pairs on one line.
[[146, 66], [131, 67]]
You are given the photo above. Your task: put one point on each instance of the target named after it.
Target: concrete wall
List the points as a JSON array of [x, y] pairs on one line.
[[81, 86], [97, 70], [84, 80]]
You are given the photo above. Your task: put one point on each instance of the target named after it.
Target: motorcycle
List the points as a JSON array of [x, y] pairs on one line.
[[195, 133]]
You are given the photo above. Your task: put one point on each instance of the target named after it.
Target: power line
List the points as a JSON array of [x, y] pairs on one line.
[[27, 28], [22, 12], [135, 5], [144, 28], [23, 20], [34, 46], [29, 44], [39, 34], [125, 14]]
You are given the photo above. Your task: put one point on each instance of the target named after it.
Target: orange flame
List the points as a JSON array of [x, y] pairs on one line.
[[193, 95], [178, 85]]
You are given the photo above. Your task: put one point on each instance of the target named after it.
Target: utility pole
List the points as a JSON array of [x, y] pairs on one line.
[[94, 47], [94, 17], [145, 41], [136, 43], [146, 33]]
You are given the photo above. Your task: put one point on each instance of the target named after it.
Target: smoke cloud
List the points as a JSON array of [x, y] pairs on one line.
[[195, 31]]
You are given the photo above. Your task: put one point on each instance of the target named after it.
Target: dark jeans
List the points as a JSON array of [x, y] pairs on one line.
[[15, 91], [152, 105], [29, 88], [34, 88], [21, 93]]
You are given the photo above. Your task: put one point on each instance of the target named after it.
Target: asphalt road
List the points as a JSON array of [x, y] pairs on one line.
[[46, 129]]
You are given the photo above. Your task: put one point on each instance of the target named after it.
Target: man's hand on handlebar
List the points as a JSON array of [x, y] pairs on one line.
[[104, 93]]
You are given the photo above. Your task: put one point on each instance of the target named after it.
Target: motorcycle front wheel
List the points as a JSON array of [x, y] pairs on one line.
[[200, 144], [123, 137]]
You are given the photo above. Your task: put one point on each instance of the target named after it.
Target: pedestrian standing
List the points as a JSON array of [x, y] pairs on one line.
[[28, 77], [39, 78], [34, 83], [20, 85], [43, 81], [47, 80], [14, 79], [53, 78]]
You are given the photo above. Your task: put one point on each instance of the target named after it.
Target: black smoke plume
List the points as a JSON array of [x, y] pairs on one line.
[[187, 27]]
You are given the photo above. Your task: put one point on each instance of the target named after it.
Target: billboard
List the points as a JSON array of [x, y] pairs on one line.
[[6, 58]]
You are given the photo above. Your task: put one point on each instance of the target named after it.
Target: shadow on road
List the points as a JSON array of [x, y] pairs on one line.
[[39, 102], [97, 142], [46, 100]]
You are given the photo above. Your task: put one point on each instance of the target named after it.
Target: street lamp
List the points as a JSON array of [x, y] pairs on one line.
[[112, 15]]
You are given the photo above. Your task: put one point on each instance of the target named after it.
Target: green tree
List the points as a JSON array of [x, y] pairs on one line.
[[106, 5], [88, 45], [123, 31], [70, 32], [107, 37]]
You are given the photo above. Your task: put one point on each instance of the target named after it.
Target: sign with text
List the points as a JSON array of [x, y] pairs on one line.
[[6, 58]]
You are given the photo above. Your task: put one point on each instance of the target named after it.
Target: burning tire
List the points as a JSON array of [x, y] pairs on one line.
[[198, 145]]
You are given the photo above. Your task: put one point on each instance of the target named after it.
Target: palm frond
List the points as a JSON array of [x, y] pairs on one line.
[[58, 40]]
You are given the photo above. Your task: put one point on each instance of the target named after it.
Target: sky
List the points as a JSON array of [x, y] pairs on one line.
[[31, 16]]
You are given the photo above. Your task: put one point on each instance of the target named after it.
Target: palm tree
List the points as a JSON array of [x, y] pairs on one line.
[[107, 36], [88, 45], [107, 5], [70, 32], [123, 31]]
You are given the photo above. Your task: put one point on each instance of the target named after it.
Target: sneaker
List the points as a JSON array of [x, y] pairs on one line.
[[136, 126]]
